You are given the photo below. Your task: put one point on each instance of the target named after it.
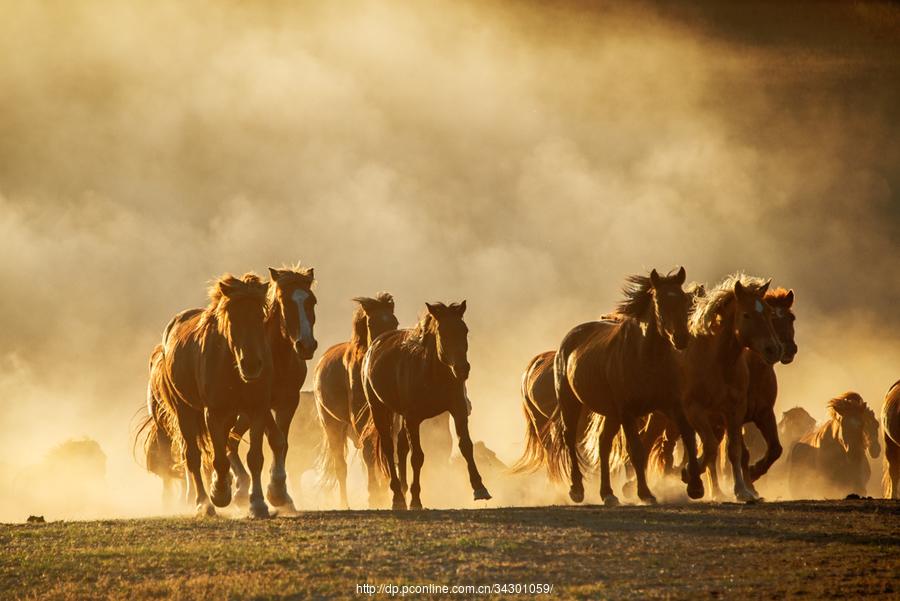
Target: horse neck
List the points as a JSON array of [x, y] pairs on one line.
[[278, 341], [726, 344]]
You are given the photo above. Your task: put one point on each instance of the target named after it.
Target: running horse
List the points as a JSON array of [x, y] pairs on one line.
[[289, 327], [623, 369], [731, 319], [417, 374], [833, 457], [340, 399], [890, 421], [217, 363]]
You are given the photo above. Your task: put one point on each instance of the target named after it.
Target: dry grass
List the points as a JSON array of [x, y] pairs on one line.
[[800, 549]]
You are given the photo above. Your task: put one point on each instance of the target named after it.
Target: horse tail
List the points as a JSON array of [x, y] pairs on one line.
[[657, 458], [891, 458], [535, 454], [334, 442], [590, 443]]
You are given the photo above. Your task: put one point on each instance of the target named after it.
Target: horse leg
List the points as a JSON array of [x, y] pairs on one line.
[[735, 450], [712, 467], [336, 433], [607, 433], [418, 458], [891, 468], [382, 420], [277, 431], [242, 492], [638, 459], [769, 429], [189, 423], [217, 424], [403, 445], [690, 474], [258, 507], [461, 422], [376, 494], [570, 409]]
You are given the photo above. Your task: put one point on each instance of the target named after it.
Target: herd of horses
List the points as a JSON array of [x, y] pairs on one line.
[[672, 365]]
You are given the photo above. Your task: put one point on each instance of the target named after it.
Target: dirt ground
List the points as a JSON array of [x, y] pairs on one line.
[[769, 550]]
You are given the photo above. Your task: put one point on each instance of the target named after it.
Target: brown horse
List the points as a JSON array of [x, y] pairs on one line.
[[731, 318], [417, 374], [833, 457], [623, 369], [795, 424], [890, 421], [217, 363], [289, 325], [762, 392], [340, 398]]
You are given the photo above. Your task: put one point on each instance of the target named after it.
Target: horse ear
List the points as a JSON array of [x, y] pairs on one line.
[[462, 308], [738, 289], [654, 278], [765, 287], [789, 299], [681, 276], [274, 273], [433, 310]]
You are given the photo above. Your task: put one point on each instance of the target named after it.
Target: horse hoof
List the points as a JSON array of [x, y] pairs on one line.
[[206, 510], [482, 494], [610, 501], [399, 504], [259, 510], [745, 496], [648, 500], [695, 490], [221, 497], [415, 504], [278, 496], [576, 494]]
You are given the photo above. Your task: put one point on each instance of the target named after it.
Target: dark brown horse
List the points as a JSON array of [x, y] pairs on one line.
[[340, 398], [417, 374], [732, 318], [290, 321], [832, 459], [795, 423], [216, 364], [623, 369], [890, 422], [762, 392]]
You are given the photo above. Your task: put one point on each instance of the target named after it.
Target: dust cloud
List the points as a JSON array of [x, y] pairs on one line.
[[524, 156]]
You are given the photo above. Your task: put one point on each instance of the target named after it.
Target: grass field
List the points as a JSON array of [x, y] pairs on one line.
[[769, 550]]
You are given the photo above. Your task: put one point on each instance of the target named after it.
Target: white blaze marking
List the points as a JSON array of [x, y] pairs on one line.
[[759, 306], [300, 297]]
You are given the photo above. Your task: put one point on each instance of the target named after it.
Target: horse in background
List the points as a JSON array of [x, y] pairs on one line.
[[340, 399], [417, 374], [890, 421], [833, 457], [217, 363], [795, 423], [290, 320], [623, 369]]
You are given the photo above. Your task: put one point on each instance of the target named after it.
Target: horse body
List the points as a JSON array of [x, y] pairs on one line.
[[216, 364], [890, 422], [418, 374], [340, 399], [833, 456], [731, 319], [623, 369]]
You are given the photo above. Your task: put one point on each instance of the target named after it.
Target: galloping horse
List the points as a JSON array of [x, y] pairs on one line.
[[417, 374], [731, 318], [340, 398], [623, 369], [795, 423], [289, 326], [762, 392], [890, 421], [835, 453], [218, 362]]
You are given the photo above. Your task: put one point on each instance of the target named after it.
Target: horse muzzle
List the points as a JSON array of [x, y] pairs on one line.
[[461, 371], [250, 369], [305, 351], [790, 351]]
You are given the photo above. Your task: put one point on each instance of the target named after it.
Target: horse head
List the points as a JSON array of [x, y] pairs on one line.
[[294, 299], [672, 305], [240, 310], [379, 312], [857, 426], [753, 322], [451, 337], [783, 321]]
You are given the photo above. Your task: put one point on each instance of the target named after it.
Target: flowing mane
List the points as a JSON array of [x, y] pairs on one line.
[[248, 286], [846, 404], [709, 308], [777, 297], [359, 337], [638, 298]]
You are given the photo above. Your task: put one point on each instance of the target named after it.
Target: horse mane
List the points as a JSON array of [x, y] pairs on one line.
[[638, 297], [795, 412], [848, 404], [709, 308], [248, 286], [290, 274], [359, 338], [777, 297], [425, 328]]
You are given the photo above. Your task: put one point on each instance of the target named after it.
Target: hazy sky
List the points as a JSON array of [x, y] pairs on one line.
[[524, 156]]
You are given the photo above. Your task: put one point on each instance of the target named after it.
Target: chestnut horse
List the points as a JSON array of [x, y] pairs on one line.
[[340, 398], [890, 421], [623, 369], [417, 374], [733, 317], [834, 455], [795, 424], [215, 364], [290, 320]]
